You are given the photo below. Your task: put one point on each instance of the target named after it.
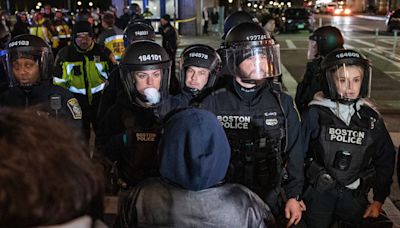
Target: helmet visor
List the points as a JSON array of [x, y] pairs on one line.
[[138, 81], [349, 82], [27, 66], [256, 62]]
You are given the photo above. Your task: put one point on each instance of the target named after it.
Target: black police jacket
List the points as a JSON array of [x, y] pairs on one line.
[[329, 140], [265, 125], [129, 134], [111, 91], [310, 84], [52, 100]]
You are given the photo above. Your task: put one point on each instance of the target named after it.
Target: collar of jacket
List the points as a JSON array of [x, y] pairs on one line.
[[78, 49]]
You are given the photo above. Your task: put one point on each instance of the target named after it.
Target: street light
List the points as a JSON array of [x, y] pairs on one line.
[[249, 4], [90, 4], [230, 1], [79, 3], [255, 5], [39, 4]]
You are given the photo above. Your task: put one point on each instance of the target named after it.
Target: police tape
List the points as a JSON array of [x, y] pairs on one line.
[[186, 20]]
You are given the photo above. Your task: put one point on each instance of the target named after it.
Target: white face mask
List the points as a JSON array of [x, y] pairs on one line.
[[152, 95], [312, 51]]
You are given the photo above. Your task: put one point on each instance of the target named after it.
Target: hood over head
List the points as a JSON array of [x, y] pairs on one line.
[[194, 150]]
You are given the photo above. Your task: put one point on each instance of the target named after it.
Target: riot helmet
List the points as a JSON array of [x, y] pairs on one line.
[[347, 76], [199, 65], [28, 61], [255, 55], [5, 36], [324, 40], [234, 19], [231, 21], [138, 30], [145, 72]]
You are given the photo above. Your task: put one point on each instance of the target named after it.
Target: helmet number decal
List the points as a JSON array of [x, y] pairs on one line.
[[19, 43], [198, 55], [150, 57], [256, 37]]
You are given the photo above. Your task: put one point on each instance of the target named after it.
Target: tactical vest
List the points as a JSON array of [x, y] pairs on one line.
[[257, 137], [344, 151], [143, 136]]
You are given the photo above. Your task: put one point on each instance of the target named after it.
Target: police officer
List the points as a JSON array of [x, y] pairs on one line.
[[62, 30], [42, 28], [29, 65], [231, 21], [83, 68], [136, 30], [130, 131], [199, 66], [323, 40], [348, 147], [112, 36], [261, 122]]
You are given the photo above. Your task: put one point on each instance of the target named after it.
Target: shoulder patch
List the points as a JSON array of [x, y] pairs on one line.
[[74, 108]]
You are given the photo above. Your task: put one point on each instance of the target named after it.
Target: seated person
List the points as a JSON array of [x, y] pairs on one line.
[[191, 191], [47, 177]]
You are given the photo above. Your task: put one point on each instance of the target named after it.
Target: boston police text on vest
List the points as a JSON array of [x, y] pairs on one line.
[[235, 122], [346, 135]]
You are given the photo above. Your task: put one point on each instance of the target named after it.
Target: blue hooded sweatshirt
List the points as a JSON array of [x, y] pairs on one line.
[[194, 159], [194, 150]]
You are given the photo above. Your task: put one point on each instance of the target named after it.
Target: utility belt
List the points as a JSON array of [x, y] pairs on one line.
[[260, 169], [323, 181]]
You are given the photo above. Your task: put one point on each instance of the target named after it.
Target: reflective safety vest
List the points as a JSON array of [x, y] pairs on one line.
[[63, 35], [41, 31], [116, 45], [83, 77]]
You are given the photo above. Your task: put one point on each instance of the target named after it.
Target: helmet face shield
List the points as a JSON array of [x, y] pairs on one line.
[[199, 65], [256, 62], [349, 82], [139, 79], [27, 66]]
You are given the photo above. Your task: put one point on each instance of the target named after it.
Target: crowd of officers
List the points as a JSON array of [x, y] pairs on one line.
[[312, 168]]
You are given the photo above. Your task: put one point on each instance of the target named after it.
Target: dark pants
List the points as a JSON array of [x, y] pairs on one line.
[[338, 203], [89, 113], [205, 27]]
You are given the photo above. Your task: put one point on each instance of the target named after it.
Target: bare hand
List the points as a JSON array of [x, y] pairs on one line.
[[293, 211], [373, 210]]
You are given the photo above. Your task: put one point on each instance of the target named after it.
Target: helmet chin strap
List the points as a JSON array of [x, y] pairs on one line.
[[347, 101], [193, 91]]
